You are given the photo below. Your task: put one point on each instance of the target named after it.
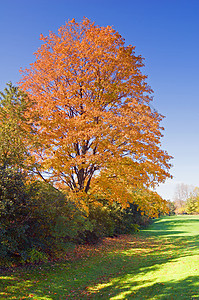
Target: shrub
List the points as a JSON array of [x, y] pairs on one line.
[[110, 220], [55, 221], [35, 256], [37, 221], [13, 213]]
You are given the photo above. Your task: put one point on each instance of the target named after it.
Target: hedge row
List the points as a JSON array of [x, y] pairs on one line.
[[38, 222]]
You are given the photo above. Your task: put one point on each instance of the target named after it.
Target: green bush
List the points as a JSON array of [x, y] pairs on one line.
[[101, 223], [13, 213], [36, 219], [55, 222], [131, 216], [35, 256], [110, 220]]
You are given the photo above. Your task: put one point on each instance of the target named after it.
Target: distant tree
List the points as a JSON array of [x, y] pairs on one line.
[[95, 120], [182, 193], [192, 204], [171, 207]]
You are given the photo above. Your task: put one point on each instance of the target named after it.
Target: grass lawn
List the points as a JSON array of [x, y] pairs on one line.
[[161, 262]]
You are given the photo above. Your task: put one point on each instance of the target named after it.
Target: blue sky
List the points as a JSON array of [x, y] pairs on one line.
[[165, 33]]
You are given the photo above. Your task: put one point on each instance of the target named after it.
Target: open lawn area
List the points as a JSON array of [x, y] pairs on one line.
[[161, 262]]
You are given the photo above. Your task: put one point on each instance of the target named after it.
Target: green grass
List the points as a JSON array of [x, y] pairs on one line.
[[159, 263]]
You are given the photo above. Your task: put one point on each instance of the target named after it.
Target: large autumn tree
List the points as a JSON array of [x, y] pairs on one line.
[[97, 128]]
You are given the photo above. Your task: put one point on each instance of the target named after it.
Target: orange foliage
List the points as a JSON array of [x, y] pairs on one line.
[[95, 125]]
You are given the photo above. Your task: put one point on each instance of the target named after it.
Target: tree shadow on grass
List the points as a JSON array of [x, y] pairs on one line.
[[175, 227], [124, 288], [110, 275], [172, 222], [113, 274]]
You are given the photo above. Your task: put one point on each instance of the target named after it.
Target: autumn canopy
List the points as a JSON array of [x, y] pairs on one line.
[[96, 130]]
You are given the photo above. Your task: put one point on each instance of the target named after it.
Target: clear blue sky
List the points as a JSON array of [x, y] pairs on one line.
[[165, 33]]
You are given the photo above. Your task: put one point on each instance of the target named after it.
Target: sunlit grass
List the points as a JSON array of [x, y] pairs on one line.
[[159, 263]]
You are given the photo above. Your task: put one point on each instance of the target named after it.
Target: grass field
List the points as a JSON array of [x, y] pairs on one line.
[[161, 262]]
